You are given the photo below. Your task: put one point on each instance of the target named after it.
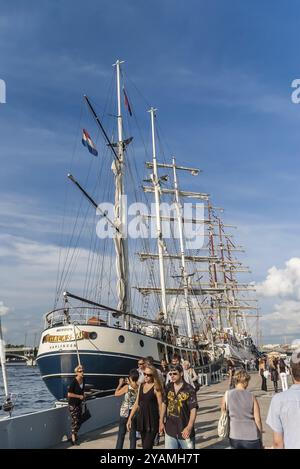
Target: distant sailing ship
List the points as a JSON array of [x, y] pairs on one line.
[[185, 300]]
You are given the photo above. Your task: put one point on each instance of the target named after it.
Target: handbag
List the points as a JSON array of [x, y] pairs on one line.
[[223, 424], [266, 374], [85, 413]]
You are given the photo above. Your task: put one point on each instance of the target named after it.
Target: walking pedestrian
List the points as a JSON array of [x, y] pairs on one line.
[[179, 410], [257, 364], [283, 369], [231, 372], [284, 412], [149, 403], [244, 414], [140, 369], [273, 368], [263, 372], [192, 374], [127, 387], [75, 398], [149, 361]]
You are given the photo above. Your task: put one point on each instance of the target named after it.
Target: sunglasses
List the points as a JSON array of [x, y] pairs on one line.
[[173, 373], [148, 374], [141, 364]]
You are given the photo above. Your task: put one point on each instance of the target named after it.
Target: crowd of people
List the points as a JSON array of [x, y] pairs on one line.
[[165, 403], [275, 368], [162, 402], [242, 407]]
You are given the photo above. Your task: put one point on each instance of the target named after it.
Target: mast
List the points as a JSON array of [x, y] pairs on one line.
[[182, 252], [120, 239], [221, 245], [160, 244], [231, 269], [212, 266]]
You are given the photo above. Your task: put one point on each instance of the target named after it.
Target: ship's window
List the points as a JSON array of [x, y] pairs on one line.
[[93, 335], [121, 339], [141, 343]]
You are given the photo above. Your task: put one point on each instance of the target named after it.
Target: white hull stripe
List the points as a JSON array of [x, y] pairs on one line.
[[81, 352], [85, 374]]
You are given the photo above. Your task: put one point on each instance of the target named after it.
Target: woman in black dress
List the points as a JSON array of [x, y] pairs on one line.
[[149, 405], [262, 369], [75, 398], [231, 371], [274, 373]]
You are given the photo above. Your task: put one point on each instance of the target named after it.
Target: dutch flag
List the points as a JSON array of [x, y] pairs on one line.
[[88, 142]]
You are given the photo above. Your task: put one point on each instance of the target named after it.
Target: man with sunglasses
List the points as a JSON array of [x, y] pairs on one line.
[[179, 412]]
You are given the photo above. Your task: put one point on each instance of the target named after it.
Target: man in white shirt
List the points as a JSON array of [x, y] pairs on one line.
[[284, 411]]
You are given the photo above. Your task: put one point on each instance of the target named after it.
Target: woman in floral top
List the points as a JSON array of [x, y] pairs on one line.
[[129, 389]]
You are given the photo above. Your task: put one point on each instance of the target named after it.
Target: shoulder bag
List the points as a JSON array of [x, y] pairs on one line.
[[223, 424]]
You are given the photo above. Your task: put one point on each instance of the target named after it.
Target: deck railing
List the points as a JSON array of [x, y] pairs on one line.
[[94, 316]]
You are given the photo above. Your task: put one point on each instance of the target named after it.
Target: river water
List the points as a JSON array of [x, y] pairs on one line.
[[26, 384]]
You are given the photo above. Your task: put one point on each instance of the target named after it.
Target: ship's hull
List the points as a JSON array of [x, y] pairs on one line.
[[110, 355], [102, 370]]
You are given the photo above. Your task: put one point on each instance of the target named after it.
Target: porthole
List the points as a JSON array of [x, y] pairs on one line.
[[121, 339], [142, 343], [93, 335]]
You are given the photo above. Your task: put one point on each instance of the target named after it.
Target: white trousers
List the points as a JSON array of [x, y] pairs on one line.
[[284, 384]]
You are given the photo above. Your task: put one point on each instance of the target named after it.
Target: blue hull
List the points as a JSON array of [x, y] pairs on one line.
[[102, 371]]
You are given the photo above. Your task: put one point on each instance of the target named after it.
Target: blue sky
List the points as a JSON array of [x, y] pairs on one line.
[[220, 73]]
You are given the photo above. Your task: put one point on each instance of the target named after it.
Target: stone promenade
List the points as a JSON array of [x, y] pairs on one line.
[[209, 398]]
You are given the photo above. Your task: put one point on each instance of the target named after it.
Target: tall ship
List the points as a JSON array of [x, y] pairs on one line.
[[146, 267]]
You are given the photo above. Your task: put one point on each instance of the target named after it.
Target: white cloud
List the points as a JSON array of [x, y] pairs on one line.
[[284, 320], [28, 280], [283, 286], [30, 269], [283, 283]]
